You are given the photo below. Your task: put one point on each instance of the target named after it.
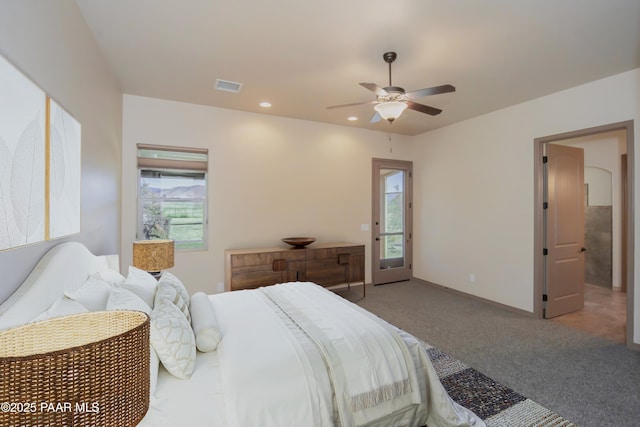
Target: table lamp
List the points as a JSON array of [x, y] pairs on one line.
[[153, 256]]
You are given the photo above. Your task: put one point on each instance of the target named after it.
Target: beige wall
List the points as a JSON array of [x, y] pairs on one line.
[[269, 178], [49, 41], [474, 189]]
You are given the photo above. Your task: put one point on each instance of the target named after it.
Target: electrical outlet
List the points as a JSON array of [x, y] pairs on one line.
[[364, 227], [472, 278], [220, 287]]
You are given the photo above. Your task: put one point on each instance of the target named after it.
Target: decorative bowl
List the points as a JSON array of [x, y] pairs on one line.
[[299, 242]]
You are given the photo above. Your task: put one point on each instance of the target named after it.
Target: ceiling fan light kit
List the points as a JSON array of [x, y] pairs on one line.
[[391, 101], [390, 110]]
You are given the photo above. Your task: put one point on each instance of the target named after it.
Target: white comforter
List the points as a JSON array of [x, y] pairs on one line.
[[296, 354]]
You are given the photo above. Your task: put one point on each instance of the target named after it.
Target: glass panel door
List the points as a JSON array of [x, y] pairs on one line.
[[392, 220]]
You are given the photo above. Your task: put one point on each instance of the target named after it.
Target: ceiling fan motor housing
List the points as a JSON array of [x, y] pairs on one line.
[[394, 93], [395, 90]]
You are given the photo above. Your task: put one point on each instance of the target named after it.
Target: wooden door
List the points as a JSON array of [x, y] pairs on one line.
[[392, 221], [564, 261]]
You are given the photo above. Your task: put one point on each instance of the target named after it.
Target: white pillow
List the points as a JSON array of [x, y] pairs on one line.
[[204, 323], [172, 338], [176, 283], [142, 284], [112, 277], [93, 294], [168, 292], [122, 299], [63, 306]]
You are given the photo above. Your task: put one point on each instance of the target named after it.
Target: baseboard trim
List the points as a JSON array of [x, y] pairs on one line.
[[634, 346], [475, 297]]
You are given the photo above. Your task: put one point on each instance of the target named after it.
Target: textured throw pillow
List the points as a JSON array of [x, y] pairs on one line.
[[122, 299], [204, 323], [168, 292], [63, 306], [177, 284], [142, 284], [172, 338], [93, 294]]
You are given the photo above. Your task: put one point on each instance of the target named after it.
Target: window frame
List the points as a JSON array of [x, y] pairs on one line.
[[197, 165]]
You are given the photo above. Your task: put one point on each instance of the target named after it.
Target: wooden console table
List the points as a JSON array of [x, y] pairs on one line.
[[326, 264]]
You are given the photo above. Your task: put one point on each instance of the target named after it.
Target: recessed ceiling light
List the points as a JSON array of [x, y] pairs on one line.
[[352, 118], [265, 104]]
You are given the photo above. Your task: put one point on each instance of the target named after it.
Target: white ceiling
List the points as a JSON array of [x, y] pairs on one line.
[[304, 55]]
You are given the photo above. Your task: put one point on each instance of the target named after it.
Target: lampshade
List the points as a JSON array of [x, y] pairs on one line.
[[390, 110], [153, 255]]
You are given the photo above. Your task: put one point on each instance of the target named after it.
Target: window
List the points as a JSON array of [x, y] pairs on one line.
[[393, 214], [172, 195]]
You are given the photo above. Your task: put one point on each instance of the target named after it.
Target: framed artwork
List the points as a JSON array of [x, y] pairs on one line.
[[39, 163], [64, 173]]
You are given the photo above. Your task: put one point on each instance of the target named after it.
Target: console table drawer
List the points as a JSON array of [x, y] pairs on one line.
[[251, 269], [325, 264]]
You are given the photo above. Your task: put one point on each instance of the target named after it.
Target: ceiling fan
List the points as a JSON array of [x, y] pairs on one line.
[[391, 101]]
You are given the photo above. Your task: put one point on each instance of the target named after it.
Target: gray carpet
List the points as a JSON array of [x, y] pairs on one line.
[[588, 380]]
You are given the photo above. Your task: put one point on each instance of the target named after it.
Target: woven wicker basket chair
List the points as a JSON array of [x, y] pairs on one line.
[[89, 369]]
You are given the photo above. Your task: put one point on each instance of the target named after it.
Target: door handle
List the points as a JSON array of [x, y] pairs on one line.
[[583, 249], [377, 239]]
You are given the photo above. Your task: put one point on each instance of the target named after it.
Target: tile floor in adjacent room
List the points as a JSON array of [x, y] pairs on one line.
[[604, 314]]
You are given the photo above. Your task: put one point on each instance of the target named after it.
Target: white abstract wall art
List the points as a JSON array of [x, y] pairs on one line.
[[22, 123], [39, 164], [64, 173]]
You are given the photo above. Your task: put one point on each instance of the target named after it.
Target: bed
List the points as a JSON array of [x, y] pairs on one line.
[[290, 354]]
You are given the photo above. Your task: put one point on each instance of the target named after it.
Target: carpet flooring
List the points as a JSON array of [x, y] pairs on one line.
[[591, 381], [496, 404]]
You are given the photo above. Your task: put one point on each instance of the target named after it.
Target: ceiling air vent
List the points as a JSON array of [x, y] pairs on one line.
[[228, 86]]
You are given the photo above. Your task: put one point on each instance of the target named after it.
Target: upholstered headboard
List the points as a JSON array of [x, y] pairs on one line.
[[63, 268]]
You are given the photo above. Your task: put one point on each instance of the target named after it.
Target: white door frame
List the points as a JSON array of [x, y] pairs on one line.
[[538, 241]]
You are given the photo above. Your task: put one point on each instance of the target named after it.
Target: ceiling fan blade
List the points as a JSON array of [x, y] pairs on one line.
[[423, 108], [430, 91], [375, 89], [376, 118], [351, 105]]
